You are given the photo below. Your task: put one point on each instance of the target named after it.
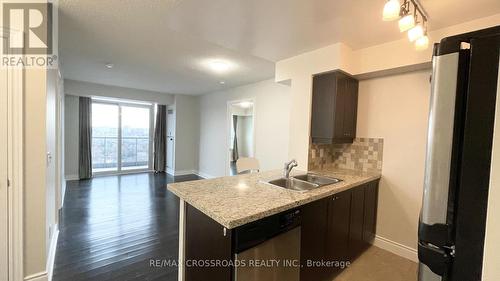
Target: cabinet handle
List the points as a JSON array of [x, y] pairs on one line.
[[224, 231]]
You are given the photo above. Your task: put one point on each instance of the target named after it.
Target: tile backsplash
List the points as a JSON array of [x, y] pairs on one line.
[[364, 154]]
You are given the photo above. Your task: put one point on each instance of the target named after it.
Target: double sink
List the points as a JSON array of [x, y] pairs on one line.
[[303, 182]]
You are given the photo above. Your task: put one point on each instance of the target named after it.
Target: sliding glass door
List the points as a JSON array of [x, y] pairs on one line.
[[105, 137], [121, 137], [135, 140]]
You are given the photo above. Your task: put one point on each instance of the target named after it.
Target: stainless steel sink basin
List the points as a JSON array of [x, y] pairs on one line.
[[304, 182], [316, 179], [294, 184]]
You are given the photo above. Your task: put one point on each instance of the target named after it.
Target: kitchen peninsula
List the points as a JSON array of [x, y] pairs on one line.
[[223, 218]]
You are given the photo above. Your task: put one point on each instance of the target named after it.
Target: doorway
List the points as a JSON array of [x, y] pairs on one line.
[[241, 132], [121, 137]]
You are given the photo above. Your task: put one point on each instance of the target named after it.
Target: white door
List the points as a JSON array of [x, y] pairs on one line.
[[170, 139], [170, 153], [170, 122], [3, 176]]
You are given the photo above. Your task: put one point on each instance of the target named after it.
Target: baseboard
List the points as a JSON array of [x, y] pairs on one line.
[[71, 177], [52, 253], [40, 276], [396, 248], [184, 173], [170, 171], [204, 175], [63, 193]]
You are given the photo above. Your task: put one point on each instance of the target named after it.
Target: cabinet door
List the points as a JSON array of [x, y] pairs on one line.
[[323, 99], [338, 228], [313, 239], [205, 240], [370, 213], [356, 242], [340, 101], [350, 108]]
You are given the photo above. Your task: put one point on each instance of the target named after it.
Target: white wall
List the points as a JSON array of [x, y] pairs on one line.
[[187, 128], [35, 171], [71, 124], [79, 88], [272, 106], [399, 115]]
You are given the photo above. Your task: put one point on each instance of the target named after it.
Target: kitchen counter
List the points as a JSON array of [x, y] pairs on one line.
[[237, 200]]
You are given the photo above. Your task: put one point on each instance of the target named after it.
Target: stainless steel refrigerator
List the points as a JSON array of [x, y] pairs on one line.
[[459, 147]]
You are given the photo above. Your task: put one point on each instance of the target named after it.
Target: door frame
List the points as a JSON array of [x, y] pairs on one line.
[[120, 103], [229, 127], [15, 138]]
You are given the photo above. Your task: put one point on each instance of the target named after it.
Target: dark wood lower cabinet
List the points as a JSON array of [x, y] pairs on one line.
[[350, 228], [313, 240], [356, 243], [370, 213], [205, 240], [337, 241]]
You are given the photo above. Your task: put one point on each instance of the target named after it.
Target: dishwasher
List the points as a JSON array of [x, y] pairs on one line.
[[268, 249]]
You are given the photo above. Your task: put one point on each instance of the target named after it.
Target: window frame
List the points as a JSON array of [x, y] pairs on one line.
[[120, 104]]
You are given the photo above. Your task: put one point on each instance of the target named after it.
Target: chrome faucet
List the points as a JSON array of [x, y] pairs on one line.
[[288, 168]]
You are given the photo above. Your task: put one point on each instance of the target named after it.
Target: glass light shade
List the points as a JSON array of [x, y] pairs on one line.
[[406, 23], [415, 33], [422, 43], [391, 10]]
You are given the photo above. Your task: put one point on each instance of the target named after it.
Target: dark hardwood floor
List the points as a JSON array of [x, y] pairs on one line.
[[112, 227]]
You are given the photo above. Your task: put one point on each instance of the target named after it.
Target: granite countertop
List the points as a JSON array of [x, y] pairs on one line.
[[238, 200]]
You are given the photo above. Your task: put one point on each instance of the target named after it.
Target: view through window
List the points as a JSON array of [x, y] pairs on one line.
[[121, 137]]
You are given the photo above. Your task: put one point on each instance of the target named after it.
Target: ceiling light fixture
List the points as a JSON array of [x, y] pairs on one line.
[[222, 82], [218, 65], [417, 30], [391, 10], [109, 65], [422, 43], [415, 33], [245, 104], [407, 22]]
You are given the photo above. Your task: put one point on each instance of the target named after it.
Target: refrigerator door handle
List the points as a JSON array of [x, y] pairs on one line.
[[436, 259]]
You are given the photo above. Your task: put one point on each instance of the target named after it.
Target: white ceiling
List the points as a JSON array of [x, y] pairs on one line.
[[159, 45]]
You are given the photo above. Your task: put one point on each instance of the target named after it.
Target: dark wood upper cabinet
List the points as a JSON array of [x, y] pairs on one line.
[[334, 108]]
